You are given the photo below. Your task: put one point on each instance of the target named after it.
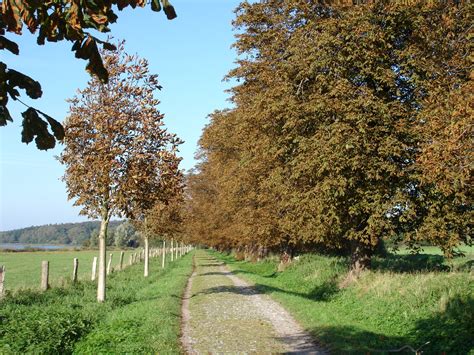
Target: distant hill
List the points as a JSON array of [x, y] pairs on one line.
[[66, 233]]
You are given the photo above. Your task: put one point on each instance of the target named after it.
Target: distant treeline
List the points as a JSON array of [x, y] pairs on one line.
[[84, 233]]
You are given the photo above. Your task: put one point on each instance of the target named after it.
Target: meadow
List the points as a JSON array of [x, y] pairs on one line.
[[404, 300], [140, 315], [23, 269]]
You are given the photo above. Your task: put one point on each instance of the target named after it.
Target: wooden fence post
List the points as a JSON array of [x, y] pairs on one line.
[[121, 260], [74, 270], [163, 255], [44, 275], [109, 265], [2, 280], [171, 250], [94, 268], [176, 248]]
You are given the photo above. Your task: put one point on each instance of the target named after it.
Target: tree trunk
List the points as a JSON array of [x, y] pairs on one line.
[[102, 256], [147, 252], [361, 256]]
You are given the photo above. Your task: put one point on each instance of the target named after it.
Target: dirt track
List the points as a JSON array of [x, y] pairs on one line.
[[224, 314]]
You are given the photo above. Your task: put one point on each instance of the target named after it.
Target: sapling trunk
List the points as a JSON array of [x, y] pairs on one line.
[[102, 258]]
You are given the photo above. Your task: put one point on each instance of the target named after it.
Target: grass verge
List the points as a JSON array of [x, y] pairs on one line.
[[141, 315], [384, 310]]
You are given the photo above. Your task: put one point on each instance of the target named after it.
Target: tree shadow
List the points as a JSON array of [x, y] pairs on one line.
[[269, 276], [321, 293], [239, 290], [353, 340], [466, 266], [210, 264], [216, 273], [446, 332], [451, 330], [410, 263]]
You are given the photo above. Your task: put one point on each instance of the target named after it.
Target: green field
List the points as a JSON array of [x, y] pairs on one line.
[[140, 316], [468, 250], [23, 269], [404, 300]]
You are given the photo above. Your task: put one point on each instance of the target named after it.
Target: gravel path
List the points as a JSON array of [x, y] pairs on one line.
[[224, 314]]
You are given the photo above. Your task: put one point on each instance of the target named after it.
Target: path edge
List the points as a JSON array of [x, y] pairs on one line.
[[185, 338]]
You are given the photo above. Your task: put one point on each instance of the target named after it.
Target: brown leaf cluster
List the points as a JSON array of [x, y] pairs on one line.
[[351, 125], [120, 159]]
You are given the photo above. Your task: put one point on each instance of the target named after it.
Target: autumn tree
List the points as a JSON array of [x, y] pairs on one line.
[[56, 21], [340, 115], [161, 189], [166, 218], [119, 157]]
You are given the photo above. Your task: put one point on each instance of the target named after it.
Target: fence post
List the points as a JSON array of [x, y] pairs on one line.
[[163, 255], [44, 275], [176, 248], [171, 250], [2, 280], [109, 265], [94, 268], [121, 260], [74, 270]]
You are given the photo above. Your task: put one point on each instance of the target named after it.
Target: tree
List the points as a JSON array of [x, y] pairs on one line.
[[125, 235], [351, 124], [160, 189], [56, 21], [119, 158], [165, 220]]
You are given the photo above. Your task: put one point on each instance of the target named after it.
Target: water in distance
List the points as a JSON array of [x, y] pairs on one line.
[[21, 246]]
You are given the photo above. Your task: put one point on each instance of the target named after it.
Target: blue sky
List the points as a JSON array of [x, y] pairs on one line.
[[191, 54]]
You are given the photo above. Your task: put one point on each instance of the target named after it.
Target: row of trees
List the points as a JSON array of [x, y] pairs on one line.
[[350, 125], [120, 160]]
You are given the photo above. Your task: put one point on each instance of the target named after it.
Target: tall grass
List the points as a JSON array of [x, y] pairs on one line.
[[385, 309]]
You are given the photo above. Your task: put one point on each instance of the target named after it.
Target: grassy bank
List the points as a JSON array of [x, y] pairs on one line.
[[24, 268], [140, 315], [405, 300]]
